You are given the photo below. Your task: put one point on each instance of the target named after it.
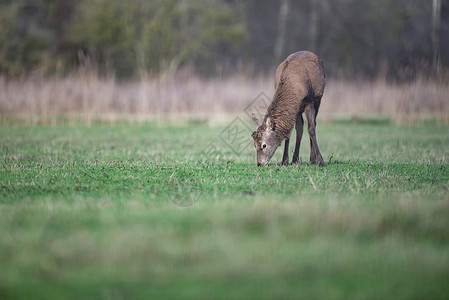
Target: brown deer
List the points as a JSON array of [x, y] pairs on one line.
[[299, 87]]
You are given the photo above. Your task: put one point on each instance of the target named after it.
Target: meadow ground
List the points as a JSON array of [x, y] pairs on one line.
[[126, 212]]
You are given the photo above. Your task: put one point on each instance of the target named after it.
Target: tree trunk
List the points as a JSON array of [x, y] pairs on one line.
[[282, 27], [313, 25], [436, 22]]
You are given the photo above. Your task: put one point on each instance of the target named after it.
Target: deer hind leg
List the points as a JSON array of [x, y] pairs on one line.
[[312, 146], [285, 156], [312, 151], [315, 155], [299, 130]]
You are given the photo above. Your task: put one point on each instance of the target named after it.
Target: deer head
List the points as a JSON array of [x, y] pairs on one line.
[[265, 140]]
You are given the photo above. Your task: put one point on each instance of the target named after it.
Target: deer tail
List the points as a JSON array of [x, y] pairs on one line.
[[322, 67]]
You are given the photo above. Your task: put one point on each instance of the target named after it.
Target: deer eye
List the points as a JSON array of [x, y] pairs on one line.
[[264, 146]]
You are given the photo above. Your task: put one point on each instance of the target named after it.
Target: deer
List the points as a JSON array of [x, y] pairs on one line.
[[299, 87]]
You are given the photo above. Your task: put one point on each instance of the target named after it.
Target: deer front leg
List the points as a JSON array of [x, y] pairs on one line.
[[315, 155], [299, 130], [285, 156]]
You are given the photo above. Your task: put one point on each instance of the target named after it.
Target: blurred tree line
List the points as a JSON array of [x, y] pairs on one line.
[[394, 38]]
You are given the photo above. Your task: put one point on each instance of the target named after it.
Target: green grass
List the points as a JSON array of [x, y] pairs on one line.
[[127, 212]]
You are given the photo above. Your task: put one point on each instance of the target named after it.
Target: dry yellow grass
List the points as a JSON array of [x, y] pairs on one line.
[[409, 102], [87, 97]]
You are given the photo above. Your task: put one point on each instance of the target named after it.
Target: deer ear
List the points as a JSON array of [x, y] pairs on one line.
[[269, 124], [255, 120]]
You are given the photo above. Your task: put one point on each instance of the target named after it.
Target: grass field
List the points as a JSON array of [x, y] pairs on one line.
[[146, 212]]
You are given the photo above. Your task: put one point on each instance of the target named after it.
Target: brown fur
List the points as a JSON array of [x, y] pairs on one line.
[[300, 82]]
